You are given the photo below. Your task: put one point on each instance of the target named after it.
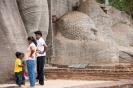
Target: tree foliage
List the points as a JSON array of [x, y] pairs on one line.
[[123, 5]]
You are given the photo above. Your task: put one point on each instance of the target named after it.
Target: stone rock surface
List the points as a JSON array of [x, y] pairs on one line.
[[60, 7], [13, 38], [68, 51], [82, 32], [77, 26], [110, 27], [16, 23], [119, 15], [35, 15], [100, 19], [123, 34], [57, 8], [126, 54], [104, 22], [125, 57]]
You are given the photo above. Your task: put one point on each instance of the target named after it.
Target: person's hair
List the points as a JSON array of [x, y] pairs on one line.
[[38, 33], [22, 54], [17, 54], [31, 38]]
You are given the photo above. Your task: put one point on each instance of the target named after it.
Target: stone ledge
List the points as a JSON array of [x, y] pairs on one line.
[[116, 84], [9, 86], [96, 66], [89, 74]]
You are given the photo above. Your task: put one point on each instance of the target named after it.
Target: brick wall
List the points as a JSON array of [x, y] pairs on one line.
[[88, 74]]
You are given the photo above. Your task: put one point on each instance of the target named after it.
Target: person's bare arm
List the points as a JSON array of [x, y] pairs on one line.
[[32, 51], [24, 67], [37, 50], [19, 63], [45, 48]]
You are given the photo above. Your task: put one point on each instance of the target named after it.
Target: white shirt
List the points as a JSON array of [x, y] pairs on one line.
[[40, 47]]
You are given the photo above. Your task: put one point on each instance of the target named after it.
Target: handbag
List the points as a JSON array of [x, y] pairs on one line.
[[26, 76]]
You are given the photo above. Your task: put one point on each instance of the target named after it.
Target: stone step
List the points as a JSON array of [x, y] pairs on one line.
[[117, 84], [88, 74], [8, 86], [96, 66]]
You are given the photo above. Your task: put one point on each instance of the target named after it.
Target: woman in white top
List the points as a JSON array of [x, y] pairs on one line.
[[30, 60]]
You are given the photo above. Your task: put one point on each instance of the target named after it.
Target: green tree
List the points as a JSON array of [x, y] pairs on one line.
[[123, 5]]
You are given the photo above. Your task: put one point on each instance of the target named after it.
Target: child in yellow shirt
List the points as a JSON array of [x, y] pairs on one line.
[[18, 68]]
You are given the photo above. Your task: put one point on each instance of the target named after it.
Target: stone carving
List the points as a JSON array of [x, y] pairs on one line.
[[123, 34], [54, 18], [80, 31], [68, 51], [15, 25], [100, 19], [12, 38], [69, 39], [77, 26], [35, 15]]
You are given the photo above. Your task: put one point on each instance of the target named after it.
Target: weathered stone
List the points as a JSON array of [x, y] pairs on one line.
[[125, 57], [126, 54], [123, 34], [72, 29], [13, 38], [73, 65], [122, 16], [81, 31], [90, 7], [89, 74], [105, 22], [35, 15], [68, 51], [57, 8], [60, 7], [100, 19], [77, 26]]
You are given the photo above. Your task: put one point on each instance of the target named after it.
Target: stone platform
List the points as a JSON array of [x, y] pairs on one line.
[[78, 84], [116, 73], [115, 84], [118, 76]]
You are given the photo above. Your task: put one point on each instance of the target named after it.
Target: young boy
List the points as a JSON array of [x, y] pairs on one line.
[[18, 69], [23, 69]]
